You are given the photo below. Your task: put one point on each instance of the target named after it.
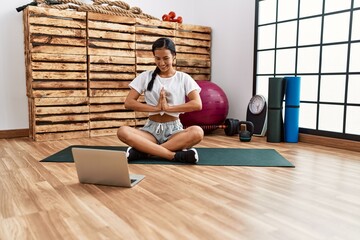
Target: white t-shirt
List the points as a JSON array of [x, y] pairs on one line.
[[176, 88]]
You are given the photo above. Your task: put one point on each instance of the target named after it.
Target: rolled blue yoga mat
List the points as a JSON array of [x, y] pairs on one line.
[[275, 124], [292, 109]]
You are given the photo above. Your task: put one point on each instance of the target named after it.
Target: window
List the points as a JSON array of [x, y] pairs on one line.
[[318, 40]]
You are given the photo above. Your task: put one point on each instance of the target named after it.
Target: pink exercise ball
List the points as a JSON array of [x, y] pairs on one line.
[[215, 107]]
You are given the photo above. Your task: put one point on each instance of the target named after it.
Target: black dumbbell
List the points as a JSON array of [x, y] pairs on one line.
[[230, 126]]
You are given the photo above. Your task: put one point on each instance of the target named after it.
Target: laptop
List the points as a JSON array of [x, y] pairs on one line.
[[104, 167]]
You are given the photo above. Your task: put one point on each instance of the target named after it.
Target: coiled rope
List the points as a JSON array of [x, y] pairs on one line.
[[116, 7]]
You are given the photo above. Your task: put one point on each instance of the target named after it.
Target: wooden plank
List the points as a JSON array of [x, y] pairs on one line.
[[155, 23], [57, 31], [112, 68], [193, 62], [146, 39], [53, 40], [141, 114], [154, 31], [192, 56], [108, 93], [46, 57], [143, 46], [111, 60], [61, 135], [63, 118], [51, 12], [111, 76], [147, 61], [61, 110], [193, 35], [111, 116], [142, 68], [61, 101], [109, 123], [111, 18], [102, 100], [59, 66], [31, 116], [93, 43], [194, 70], [59, 85], [111, 52], [59, 93], [111, 35], [194, 28], [116, 27], [57, 22], [194, 50], [192, 42], [53, 128], [103, 132], [59, 49], [59, 75], [106, 108], [27, 54], [109, 84], [144, 54]]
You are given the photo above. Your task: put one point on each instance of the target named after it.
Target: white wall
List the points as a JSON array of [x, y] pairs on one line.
[[13, 100], [232, 22]]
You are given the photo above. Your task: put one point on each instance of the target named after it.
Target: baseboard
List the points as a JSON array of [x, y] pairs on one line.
[[16, 133], [330, 142], [305, 138]]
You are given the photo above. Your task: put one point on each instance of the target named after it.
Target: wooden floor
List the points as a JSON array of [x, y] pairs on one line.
[[319, 199]]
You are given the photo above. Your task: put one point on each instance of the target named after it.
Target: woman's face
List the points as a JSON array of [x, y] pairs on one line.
[[164, 60]]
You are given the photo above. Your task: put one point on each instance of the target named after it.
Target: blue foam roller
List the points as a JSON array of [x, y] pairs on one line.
[[292, 109], [291, 125]]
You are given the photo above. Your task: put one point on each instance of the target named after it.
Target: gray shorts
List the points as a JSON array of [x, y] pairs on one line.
[[162, 131]]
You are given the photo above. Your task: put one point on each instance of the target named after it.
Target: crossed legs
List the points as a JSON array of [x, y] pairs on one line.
[[145, 142]]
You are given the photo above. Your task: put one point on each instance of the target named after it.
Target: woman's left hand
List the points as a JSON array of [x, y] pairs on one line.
[[164, 103]]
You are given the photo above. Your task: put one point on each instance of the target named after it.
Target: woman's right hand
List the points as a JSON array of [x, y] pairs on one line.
[[162, 103]]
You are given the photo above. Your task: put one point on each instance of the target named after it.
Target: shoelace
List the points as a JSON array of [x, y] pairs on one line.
[[159, 128]]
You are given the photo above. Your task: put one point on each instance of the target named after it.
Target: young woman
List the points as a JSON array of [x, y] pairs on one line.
[[165, 90]]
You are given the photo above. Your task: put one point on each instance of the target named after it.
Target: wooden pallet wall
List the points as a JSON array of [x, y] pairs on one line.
[[56, 73], [111, 52], [79, 65], [193, 45], [55, 53], [58, 118]]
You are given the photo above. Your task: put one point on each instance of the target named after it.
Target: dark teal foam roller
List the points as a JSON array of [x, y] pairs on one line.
[[292, 109], [276, 92], [275, 124]]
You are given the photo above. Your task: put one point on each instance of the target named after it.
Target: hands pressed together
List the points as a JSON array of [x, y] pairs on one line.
[[163, 104]]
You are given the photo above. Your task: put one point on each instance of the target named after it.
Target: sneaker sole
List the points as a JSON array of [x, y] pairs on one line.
[[127, 152]]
